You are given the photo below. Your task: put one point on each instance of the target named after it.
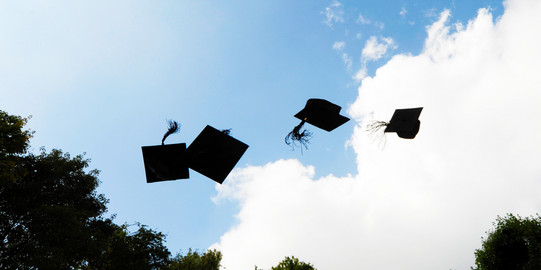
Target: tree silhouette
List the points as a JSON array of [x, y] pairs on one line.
[[51, 216], [210, 260], [515, 243], [291, 263]]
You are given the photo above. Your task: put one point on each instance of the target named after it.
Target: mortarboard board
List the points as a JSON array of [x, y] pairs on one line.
[[165, 162], [322, 114], [405, 122], [318, 112], [214, 153]]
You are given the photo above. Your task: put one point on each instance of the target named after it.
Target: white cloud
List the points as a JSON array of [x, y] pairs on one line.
[[403, 12], [362, 20], [373, 50], [417, 204], [360, 74], [339, 45], [347, 60], [334, 14]]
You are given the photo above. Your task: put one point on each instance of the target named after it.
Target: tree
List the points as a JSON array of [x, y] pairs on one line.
[[291, 263], [51, 216], [515, 243], [143, 249], [13, 142], [49, 210], [210, 260]]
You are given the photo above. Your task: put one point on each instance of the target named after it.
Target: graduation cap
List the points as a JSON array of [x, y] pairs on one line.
[[405, 122], [318, 112], [214, 153], [166, 162]]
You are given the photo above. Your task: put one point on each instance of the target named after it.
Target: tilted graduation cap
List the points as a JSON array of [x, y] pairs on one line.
[[320, 113], [166, 162], [405, 122], [214, 153]]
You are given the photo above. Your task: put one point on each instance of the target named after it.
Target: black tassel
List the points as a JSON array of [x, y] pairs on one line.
[[226, 131], [296, 136], [174, 127]]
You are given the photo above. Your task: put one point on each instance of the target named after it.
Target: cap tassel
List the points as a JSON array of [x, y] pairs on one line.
[[174, 127], [226, 131], [376, 131], [296, 136]]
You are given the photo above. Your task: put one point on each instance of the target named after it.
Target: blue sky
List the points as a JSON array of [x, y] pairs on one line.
[[103, 78]]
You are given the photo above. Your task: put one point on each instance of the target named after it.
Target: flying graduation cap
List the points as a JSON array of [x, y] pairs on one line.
[[166, 162], [405, 122], [215, 153], [318, 112]]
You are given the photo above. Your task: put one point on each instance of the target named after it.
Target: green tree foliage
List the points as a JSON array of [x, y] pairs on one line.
[[13, 143], [143, 249], [48, 212], [515, 243], [52, 218], [13, 139], [210, 260], [292, 263]]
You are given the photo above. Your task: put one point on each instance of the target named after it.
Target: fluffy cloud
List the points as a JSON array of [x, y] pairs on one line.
[[374, 50], [416, 204]]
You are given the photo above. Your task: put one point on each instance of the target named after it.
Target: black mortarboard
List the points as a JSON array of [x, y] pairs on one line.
[[318, 112], [214, 153], [165, 162], [405, 122], [322, 114]]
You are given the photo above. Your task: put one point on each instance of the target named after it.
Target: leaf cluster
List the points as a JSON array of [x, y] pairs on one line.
[[291, 263], [13, 138], [209, 260], [515, 243]]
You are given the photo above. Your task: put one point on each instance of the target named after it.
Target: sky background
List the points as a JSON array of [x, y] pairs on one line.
[[102, 78]]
